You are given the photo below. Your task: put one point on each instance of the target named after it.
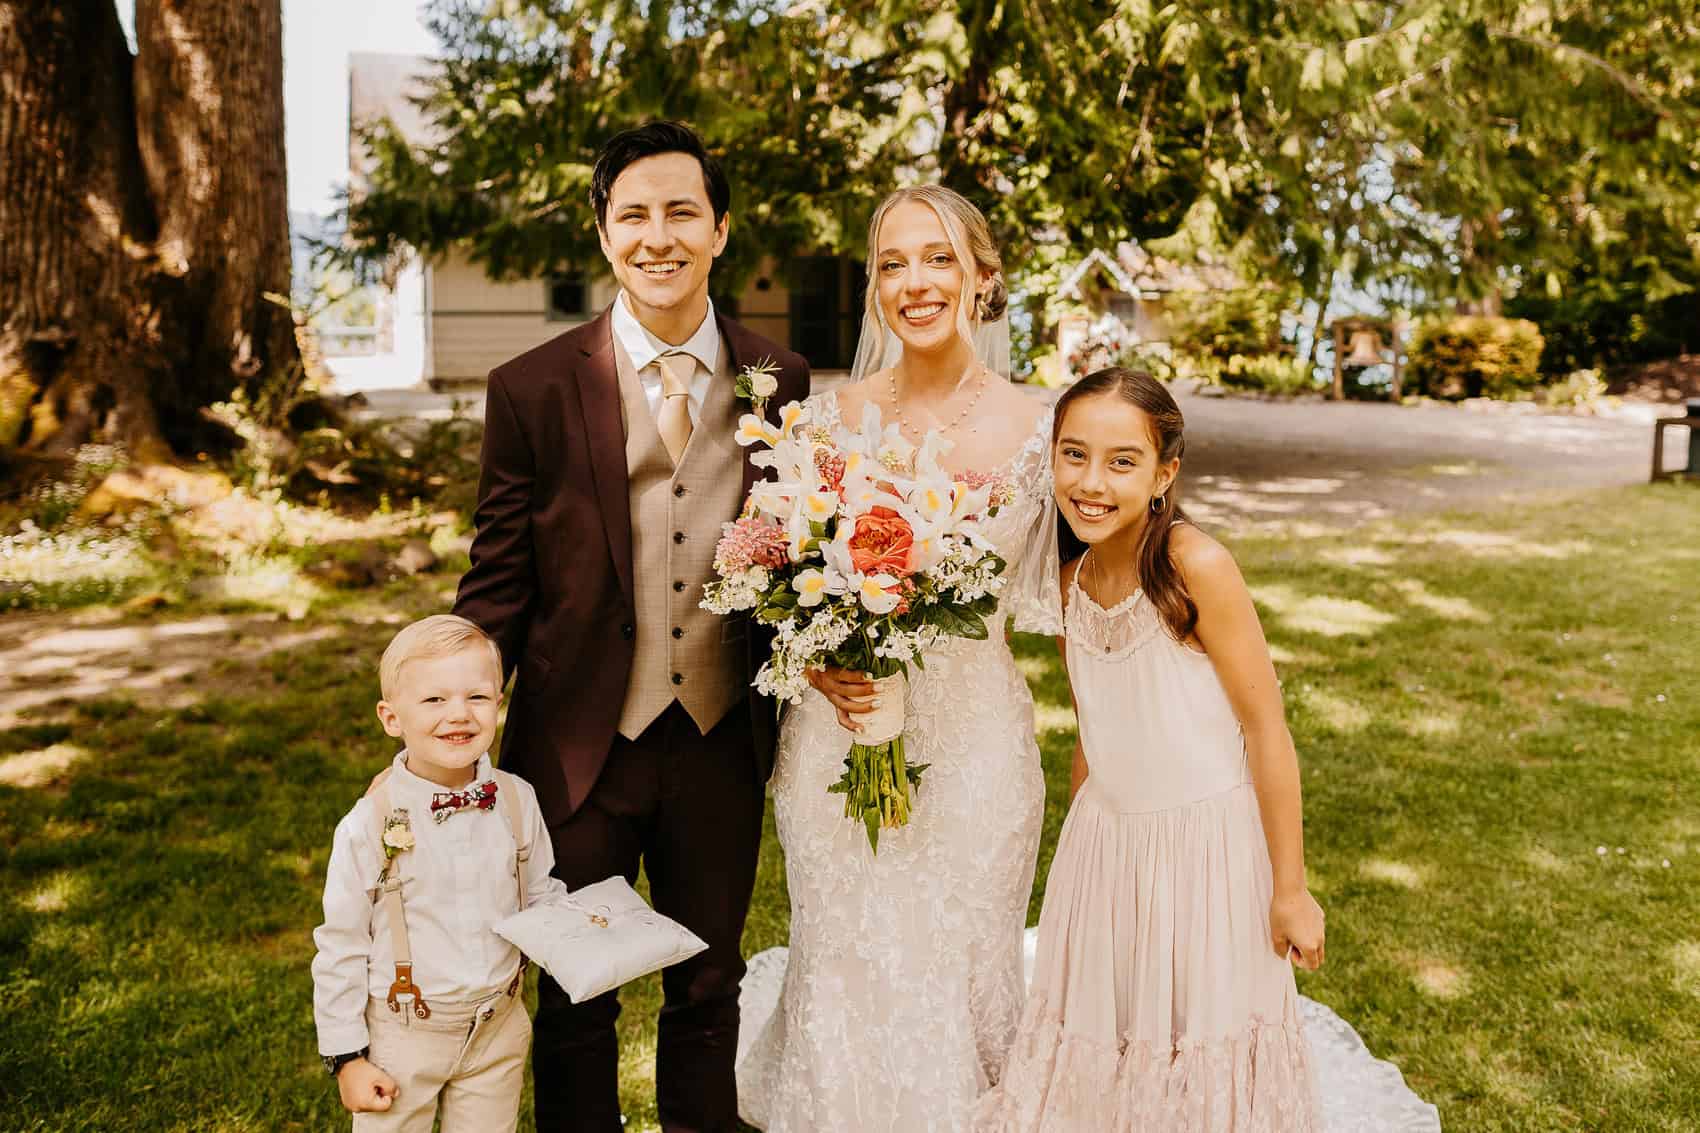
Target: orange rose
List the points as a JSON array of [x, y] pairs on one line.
[[883, 542]]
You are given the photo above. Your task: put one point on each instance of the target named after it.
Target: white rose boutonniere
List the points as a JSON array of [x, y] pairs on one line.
[[757, 383], [398, 835]]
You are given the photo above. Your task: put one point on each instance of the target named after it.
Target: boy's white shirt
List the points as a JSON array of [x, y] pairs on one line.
[[457, 881]]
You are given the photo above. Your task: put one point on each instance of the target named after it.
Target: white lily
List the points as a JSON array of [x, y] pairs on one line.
[[811, 587], [755, 430], [878, 593], [818, 507]]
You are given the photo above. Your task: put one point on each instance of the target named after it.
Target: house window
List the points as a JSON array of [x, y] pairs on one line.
[[567, 299], [1125, 308]]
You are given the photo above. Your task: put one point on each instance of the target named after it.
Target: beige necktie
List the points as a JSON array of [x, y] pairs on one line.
[[674, 417]]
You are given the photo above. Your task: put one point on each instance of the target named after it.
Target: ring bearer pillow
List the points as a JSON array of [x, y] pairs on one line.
[[598, 937]]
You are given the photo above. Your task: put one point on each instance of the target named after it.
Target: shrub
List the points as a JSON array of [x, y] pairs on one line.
[[1473, 356], [1268, 373], [1583, 391]]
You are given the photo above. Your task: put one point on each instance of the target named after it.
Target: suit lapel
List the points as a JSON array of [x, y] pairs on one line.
[[599, 399]]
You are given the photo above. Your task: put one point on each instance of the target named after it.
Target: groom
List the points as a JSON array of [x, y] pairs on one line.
[[609, 466]]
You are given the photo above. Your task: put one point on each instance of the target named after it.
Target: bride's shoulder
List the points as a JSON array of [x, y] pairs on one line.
[[852, 396], [1020, 405]]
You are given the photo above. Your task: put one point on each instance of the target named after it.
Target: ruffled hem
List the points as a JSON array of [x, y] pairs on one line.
[[1258, 1081]]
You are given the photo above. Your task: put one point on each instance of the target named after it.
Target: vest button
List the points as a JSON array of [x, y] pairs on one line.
[[678, 586], [678, 678], [628, 631], [678, 632], [678, 490], [678, 536]]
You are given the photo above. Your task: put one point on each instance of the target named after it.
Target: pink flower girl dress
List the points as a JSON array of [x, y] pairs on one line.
[[1158, 1003]]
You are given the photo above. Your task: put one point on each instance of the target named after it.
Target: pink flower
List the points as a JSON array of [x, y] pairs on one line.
[[830, 466], [883, 543], [751, 541]]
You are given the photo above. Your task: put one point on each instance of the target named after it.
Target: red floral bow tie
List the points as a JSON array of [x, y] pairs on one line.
[[445, 803]]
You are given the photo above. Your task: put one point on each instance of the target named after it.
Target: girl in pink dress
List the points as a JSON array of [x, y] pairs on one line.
[[1163, 995]]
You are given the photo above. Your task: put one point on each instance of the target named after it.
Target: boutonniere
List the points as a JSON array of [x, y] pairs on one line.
[[757, 383], [398, 835]]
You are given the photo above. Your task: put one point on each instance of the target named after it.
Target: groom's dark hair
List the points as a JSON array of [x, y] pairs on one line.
[[648, 140]]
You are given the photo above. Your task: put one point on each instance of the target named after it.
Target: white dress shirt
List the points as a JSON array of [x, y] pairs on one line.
[[457, 881], [643, 348]]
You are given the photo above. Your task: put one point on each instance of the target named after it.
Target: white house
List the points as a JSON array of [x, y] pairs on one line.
[[452, 323], [1133, 287]]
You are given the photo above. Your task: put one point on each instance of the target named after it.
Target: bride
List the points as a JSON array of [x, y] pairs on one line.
[[903, 984]]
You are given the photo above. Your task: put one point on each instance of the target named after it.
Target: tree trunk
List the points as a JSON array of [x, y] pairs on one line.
[[142, 221], [77, 321], [209, 114]]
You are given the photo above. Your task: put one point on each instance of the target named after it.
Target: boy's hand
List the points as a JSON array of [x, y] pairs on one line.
[[1296, 928], [364, 1087]]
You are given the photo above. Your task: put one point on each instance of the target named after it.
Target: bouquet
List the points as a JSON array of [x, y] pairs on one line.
[[861, 552]]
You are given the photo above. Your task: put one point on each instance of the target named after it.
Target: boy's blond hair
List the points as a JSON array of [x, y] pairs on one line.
[[439, 635]]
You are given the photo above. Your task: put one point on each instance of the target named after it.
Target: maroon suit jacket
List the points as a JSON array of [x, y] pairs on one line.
[[551, 575]]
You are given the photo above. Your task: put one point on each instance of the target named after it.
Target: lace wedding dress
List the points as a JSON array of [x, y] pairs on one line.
[[904, 983]]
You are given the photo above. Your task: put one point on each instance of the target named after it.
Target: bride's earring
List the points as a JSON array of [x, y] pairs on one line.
[[1158, 503]]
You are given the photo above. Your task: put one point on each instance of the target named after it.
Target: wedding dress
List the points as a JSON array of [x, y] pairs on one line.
[[904, 983]]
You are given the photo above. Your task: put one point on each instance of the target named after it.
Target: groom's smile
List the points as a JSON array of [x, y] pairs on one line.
[[661, 238]]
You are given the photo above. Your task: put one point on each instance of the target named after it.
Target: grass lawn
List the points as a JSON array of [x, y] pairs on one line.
[[1498, 717]]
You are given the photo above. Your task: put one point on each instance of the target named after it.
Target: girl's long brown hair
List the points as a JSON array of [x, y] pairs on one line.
[[1161, 580]]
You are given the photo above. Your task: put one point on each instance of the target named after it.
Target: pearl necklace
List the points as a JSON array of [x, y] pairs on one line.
[[904, 422]]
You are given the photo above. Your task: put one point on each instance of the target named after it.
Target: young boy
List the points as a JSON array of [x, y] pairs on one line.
[[416, 999]]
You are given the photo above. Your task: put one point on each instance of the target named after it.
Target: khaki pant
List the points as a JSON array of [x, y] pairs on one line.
[[467, 1060]]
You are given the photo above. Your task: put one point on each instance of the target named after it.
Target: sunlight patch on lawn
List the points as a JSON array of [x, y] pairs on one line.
[[1337, 712], [276, 583], [1498, 545], [54, 894], [1052, 717], [1393, 873], [1035, 669], [1432, 725], [1685, 960], [1620, 1061], [1451, 608], [1439, 980], [1330, 617], [40, 768], [1358, 556], [1545, 860]]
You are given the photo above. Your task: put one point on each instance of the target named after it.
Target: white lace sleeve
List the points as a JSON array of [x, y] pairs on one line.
[[1033, 595]]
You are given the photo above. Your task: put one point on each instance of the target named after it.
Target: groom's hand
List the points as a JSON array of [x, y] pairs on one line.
[[852, 694]]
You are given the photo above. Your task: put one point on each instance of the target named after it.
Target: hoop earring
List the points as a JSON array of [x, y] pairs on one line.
[[1157, 504]]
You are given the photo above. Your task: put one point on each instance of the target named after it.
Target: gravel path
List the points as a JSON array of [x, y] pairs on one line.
[[1263, 464], [1254, 464]]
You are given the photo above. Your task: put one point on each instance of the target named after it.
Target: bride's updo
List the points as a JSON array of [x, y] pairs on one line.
[[971, 241]]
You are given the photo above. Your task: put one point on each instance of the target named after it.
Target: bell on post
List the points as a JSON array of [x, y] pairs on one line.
[[1365, 350]]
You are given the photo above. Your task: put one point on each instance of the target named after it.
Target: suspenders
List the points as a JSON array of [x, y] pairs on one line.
[[389, 887]]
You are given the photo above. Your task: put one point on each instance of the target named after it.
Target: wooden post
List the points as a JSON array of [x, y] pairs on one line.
[[1398, 370], [1339, 368]]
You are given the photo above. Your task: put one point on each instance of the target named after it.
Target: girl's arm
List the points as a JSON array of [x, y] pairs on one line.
[[1077, 769], [1232, 637]]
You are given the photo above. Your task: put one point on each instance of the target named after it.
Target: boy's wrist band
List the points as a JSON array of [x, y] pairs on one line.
[[335, 1062]]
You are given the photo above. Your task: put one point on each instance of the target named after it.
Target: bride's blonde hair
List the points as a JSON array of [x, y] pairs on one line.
[[970, 239]]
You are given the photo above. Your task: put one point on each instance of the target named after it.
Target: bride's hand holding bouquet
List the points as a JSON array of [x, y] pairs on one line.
[[861, 553]]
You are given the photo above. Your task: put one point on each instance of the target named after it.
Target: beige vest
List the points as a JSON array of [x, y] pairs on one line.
[[683, 652]]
